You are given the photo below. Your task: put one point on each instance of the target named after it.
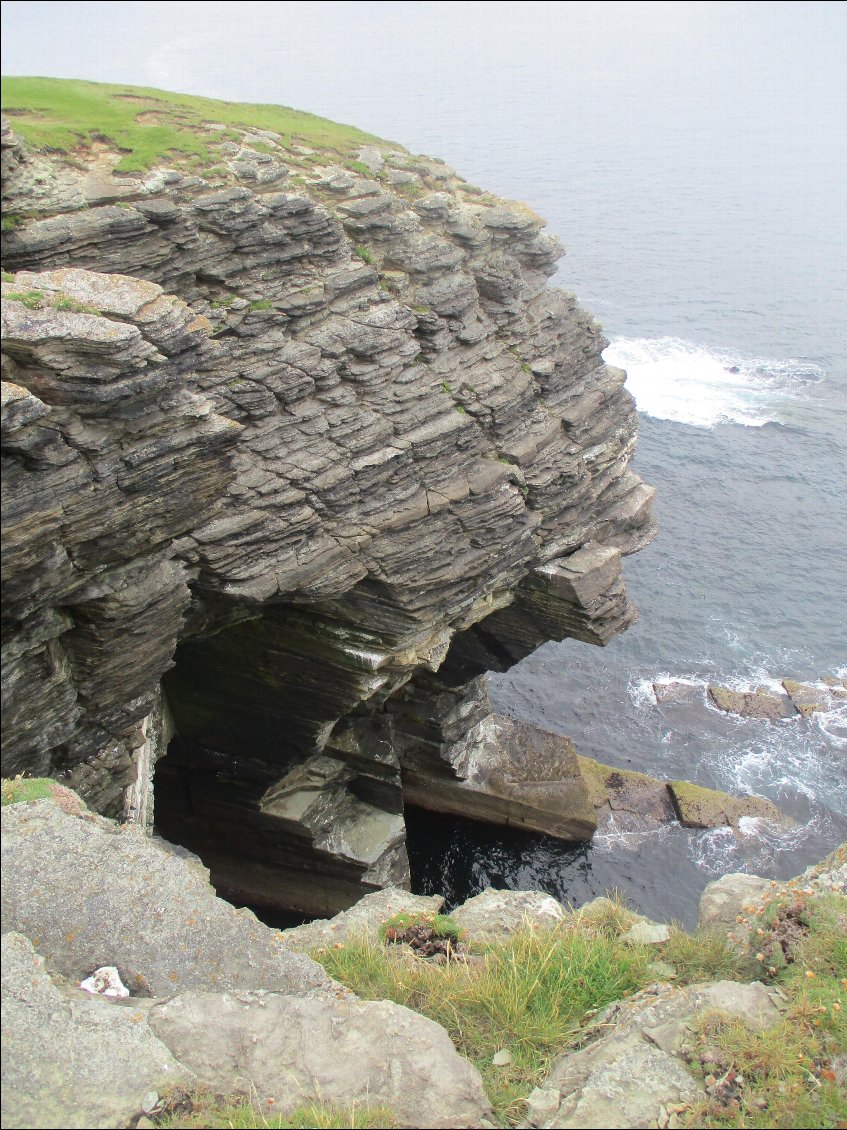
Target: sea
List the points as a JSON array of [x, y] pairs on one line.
[[693, 159]]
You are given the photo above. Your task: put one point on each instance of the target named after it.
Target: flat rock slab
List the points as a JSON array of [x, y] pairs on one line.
[[495, 915], [699, 807], [752, 704], [360, 922], [298, 1051], [633, 1070], [677, 691], [72, 1062], [88, 894]]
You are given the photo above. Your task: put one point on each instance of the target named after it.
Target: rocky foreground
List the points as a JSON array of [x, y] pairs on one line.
[[218, 1000]]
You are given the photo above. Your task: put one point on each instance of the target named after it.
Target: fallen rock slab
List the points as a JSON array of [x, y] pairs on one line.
[[752, 704], [127, 901], [70, 1062], [295, 1051], [699, 807]]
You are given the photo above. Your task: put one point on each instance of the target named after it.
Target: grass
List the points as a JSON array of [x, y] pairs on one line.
[[786, 1071], [20, 790], [185, 1110], [150, 126], [365, 255], [528, 996], [39, 300], [442, 925]]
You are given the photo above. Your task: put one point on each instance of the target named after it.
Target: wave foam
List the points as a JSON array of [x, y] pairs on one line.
[[672, 379]]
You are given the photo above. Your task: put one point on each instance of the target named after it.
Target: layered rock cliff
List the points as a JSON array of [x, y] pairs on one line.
[[304, 438]]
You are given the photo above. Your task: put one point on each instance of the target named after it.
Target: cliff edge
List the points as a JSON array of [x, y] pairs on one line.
[[297, 444]]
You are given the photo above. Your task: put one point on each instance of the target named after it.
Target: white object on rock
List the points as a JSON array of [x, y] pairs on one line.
[[106, 981], [502, 1058]]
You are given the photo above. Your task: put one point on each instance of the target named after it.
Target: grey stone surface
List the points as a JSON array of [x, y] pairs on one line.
[[632, 1070], [724, 899], [297, 1051], [89, 894], [361, 921], [72, 1062], [493, 915], [647, 934]]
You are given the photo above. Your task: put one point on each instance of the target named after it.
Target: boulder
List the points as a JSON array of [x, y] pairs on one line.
[[360, 922], [723, 900], [810, 700], [494, 915], [89, 894], [295, 1051], [629, 800], [70, 1060]]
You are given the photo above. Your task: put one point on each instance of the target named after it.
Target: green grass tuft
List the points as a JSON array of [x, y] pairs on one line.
[[205, 1110], [365, 255], [21, 790], [528, 995]]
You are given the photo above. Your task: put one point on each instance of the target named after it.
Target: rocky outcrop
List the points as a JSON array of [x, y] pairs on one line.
[[217, 999], [289, 437], [633, 1071]]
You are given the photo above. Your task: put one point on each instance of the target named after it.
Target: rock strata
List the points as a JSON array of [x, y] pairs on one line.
[[283, 438]]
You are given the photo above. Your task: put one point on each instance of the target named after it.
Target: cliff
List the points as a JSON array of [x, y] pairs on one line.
[[294, 428]]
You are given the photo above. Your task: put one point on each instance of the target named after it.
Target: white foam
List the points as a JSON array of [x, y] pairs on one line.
[[672, 379]]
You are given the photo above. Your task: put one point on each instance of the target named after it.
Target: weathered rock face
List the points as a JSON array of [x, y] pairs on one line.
[[288, 446]]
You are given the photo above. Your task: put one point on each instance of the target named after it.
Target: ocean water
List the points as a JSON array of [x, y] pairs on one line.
[[693, 158]]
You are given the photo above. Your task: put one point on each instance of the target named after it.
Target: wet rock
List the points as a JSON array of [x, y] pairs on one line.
[[810, 700], [297, 1051], [676, 691], [699, 807], [752, 704], [72, 1060], [630, 801], [495, 915]]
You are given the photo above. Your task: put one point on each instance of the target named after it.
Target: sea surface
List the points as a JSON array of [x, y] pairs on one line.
[[693, 158]]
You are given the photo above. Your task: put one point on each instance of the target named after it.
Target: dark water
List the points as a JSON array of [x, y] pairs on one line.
[[693, 157]]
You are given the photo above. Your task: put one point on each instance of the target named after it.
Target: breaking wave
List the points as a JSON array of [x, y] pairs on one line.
[[672, 379]]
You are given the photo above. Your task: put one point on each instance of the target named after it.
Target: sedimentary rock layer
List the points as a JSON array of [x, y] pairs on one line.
[[287, 435]]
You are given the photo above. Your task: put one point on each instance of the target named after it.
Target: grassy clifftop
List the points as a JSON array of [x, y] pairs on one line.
[[148, 126]]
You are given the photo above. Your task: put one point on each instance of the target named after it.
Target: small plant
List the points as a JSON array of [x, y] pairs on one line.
[[226, 300], [261, 304], [21, 790], [365, 255], [8, 276], [65, 303], [445, 387], [359, 167], [10, 222], [29, 298]]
